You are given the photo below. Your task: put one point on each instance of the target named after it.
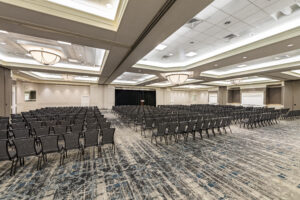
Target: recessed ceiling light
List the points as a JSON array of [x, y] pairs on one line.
[[2, 31], [171, 54], [62, 42], [287, 56], [216, 65], [2, 43], [245, 57], [191, 54], [290, 45], [243, 65], [28, 54], [108, 5], [160, 47], [277, 58], [73, 60]]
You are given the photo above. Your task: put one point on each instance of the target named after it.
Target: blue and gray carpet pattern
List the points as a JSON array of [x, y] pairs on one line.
[[262, 163]]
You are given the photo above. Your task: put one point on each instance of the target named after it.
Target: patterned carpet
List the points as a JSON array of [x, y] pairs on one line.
[[261, 163]]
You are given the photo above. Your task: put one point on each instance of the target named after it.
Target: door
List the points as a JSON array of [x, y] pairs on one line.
[[85, 101], [296, 95]]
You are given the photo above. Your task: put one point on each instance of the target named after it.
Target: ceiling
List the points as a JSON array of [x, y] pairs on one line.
[[130, 43]]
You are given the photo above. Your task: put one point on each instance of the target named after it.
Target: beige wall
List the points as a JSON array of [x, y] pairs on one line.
[[51, 95], [291, 95], [5, 92], [172, 97]]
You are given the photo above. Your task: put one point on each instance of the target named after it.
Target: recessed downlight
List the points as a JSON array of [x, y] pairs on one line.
[[160, 47], [73, 60], [276, 58], [216, 65], [63, 42], [243, 65], [109, 6], [245, 57], [290, 45], [2, 43], [2, 31], [191, 54]]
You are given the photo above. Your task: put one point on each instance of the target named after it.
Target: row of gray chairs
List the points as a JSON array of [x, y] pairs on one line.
[[41, 146], [185, 128]]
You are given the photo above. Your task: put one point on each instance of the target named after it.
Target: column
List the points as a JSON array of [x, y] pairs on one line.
[[222, 95], [5, 91]]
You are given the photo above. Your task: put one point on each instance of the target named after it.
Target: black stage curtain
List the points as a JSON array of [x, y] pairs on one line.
[[134, 97]]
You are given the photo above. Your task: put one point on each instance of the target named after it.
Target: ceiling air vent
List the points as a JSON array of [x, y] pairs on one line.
[[165, 57], [286, 11], [192, 23], [230, 36]]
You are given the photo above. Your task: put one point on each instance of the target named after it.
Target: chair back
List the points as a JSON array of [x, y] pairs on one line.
[[21, 133], [91, 138], [49, 143], [25, 147], [43, 131], [3, 150], [3, 134], [108, 136], [71, 141]]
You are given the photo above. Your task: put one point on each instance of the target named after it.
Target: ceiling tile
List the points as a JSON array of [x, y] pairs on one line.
[[235, 5], [246, 12], [213, 30], [217, 17], [263, 3], [279, 5], [260, 15]]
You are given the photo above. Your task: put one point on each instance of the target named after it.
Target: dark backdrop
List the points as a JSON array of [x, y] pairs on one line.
[[134, 97]]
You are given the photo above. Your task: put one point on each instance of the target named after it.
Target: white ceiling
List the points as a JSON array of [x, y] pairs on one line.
[[260, 63], [102, 8], [61, 77], [242, 81], [74, 56], [250, 20], [133, 78]]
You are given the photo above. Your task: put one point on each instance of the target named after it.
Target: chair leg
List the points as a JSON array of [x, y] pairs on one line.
[[207, 133], [60, 159], [13, 163], [44, 159], [166, 139], [156, 140], [201, 134], [230, 129], [100, 149], [213, 130], [38, 164]]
